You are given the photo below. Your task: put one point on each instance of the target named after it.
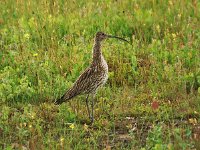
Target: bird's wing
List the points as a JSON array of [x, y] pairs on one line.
[[80, 85], [84, 80]]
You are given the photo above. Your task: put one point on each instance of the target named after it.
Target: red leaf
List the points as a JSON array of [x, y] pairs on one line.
[[154, 105]]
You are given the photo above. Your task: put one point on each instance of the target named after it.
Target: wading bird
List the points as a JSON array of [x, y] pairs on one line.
[[93, 77]]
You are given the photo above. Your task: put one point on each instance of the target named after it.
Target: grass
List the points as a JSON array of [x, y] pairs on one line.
[[151, 99]]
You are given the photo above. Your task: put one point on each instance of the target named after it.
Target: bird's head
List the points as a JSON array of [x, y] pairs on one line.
[[100, 36]]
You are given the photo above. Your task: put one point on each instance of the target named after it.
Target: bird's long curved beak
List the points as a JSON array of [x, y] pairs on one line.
[[122, 39]]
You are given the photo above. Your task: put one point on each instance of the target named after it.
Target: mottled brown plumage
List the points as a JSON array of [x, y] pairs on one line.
[[93, 77]]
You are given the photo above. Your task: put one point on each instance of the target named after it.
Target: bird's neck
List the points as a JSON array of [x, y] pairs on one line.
[[97, 54]]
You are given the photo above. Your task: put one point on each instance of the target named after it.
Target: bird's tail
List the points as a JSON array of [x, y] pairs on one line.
[[59, 101], [67, 96]]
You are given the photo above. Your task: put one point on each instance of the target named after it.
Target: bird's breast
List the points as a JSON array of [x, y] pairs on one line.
[[104, 67]]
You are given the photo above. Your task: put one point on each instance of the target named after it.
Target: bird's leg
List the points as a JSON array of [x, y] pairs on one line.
[[88, 109], [92, 117]]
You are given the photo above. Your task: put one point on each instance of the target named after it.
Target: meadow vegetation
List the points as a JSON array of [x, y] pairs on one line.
[[151, 99]]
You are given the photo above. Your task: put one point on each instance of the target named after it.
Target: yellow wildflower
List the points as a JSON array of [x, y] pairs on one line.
[[193, 121], [173, 35], [35, 54], [195, 112], [26, 36], [32, 115], [72, 126], [61, 139]]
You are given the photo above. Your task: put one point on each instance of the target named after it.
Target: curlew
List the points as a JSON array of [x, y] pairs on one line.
[[93, 77]]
